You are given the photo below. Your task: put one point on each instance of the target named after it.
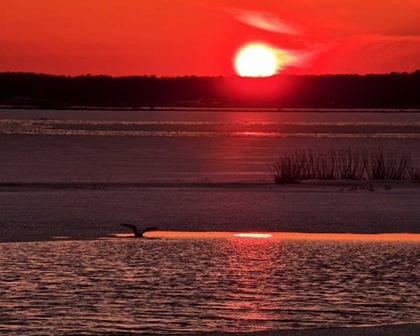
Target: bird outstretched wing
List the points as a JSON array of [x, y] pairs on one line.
[[132, 227]]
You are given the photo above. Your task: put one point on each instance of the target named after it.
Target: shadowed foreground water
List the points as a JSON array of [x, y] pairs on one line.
[[180, 285]]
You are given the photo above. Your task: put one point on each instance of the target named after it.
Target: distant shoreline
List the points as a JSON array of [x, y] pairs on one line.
[[380, 91], [213, 109]]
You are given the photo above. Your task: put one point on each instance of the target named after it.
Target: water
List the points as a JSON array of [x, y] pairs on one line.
[[336, 124], [183, 146], [66, 269], [187, 285]]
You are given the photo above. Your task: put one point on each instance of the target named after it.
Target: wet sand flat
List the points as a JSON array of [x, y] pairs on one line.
[[84, 186], [42, 211]]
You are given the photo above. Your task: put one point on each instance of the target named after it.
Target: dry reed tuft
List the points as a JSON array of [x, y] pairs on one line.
[[388, 165], [287, 169], [349, 164]]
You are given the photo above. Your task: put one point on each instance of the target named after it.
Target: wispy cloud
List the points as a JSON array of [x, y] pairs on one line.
[[287, 56], [374, 54], [332, 46], [261, 19], [302, 58]]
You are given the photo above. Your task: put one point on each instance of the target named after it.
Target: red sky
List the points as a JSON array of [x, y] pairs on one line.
[[201, 37]]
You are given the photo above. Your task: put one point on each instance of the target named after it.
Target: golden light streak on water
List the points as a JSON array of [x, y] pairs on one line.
[[208, 282], [280, 235], [253, 235]]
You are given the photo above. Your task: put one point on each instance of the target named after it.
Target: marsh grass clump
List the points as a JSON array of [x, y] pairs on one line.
[[287, 169], [388, 165], [352, 164], [413, 172], [348, 164]]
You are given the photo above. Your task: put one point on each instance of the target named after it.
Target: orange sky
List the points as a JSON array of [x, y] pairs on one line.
[[201, 37]]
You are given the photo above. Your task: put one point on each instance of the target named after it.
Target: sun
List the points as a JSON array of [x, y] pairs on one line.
[[256, 60]]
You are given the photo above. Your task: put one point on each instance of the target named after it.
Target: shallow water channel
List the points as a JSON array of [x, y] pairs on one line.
[[180, 285]]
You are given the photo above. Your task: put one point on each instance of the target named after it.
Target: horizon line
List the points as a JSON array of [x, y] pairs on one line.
[[393, 73]]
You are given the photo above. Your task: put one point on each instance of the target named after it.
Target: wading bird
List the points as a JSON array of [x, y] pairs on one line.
[[137, 233]]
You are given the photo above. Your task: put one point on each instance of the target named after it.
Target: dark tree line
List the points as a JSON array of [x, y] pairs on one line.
[[395, 90]]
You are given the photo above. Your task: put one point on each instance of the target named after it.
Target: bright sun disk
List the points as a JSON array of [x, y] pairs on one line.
[[256, 60]]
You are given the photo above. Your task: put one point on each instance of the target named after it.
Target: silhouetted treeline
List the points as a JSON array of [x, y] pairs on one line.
[[395, 90]]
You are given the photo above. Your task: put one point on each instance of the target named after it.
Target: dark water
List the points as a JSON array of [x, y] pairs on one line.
[[187, 285], [183, 146], [182, 285]]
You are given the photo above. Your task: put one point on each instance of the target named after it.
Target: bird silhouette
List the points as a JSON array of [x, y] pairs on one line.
[[137, 233]]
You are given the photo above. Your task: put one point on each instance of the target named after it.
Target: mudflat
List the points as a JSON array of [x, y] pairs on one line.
[[42, 211]]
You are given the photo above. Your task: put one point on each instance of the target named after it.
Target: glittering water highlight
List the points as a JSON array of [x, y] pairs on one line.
[[183, 285]]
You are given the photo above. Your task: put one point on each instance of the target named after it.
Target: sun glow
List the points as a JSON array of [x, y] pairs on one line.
[[253, 235], [256, 60]]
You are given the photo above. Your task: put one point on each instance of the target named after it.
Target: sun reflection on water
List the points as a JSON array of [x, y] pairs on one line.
[[195, 282], [251, 265], [282, 235], [253, 235]]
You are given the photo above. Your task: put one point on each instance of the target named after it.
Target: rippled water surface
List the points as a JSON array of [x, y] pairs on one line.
[[180, 285]]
